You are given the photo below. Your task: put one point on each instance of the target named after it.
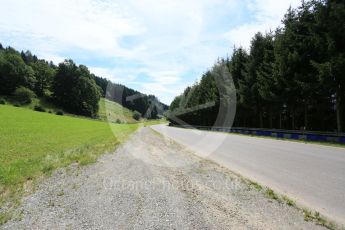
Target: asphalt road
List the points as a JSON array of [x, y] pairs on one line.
[[313, 175]]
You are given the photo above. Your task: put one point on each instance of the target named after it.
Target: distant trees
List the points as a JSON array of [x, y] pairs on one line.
[[200, 103], [292, 78], [102, 83], [147, 105], [152, 112], [28, 58]]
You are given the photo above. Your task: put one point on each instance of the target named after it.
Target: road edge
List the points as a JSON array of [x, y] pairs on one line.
[[309, 213]]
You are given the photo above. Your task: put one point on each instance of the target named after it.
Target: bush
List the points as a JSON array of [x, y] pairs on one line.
[[24, 95], [60, 113], [2, 101], [136, 115], [39, 108], [118, 121]]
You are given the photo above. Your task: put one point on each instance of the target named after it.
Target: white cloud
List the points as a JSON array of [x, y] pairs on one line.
[[112, 74], [156, 82], [172, 41], [242, 35], [267, 16], [64, 24]]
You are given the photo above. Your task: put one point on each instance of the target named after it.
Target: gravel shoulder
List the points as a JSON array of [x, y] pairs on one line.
[[151, 182]]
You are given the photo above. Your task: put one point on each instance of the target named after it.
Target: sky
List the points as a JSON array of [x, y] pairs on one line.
[[154, 46]]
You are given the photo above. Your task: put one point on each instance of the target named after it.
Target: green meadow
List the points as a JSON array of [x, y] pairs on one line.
[[32, 144]]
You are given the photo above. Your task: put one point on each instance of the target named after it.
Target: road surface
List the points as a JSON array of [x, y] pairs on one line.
[[314, 175], [151, 183]]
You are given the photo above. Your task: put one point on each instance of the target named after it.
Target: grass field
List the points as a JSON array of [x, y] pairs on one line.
[[32, 144]]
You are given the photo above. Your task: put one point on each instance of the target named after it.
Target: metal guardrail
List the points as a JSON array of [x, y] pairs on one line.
[[278, 133]]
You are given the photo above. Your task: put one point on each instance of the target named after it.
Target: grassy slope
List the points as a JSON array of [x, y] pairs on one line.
[[108, 110], [113, 112], [34, 143], [43, 102]]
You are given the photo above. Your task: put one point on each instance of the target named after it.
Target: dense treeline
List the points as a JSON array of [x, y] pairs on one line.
[[206, 102], [72, 87], [292, 78]]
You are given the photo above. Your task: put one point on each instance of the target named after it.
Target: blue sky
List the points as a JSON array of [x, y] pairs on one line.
[[154, 46]]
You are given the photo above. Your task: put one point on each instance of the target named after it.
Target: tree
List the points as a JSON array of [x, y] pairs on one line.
[[75, 90], [238, 72], [64, 81], [14, 72], [249, 85], [86, 97], [44, 75], [330, 32], [266, 76], [290, 64]]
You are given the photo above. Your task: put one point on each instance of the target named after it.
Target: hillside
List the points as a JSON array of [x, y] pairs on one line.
[[108, 110], [114, 112], [68, 85]]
